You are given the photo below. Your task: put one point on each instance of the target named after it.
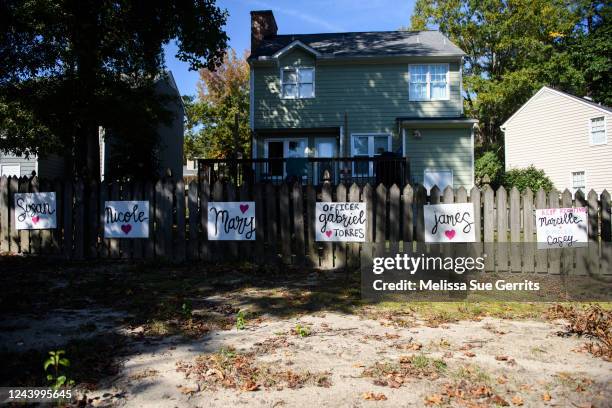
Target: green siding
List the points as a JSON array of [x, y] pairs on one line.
[[441, 149], [372, 94]]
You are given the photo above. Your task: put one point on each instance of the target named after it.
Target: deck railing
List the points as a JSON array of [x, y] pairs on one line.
[[387, 170]]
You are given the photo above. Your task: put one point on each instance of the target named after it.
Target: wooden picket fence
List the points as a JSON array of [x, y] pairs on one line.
[[285, 222]]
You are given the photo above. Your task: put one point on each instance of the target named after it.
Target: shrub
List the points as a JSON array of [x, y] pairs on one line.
[[529, 177], [489, 165]]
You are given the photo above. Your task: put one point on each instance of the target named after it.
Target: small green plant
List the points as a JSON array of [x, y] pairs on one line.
[[187, 309], [56, 363], [240, 320], [302, 331]]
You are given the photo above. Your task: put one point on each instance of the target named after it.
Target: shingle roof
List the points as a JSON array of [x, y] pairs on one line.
[[584, 100], [365, 44]]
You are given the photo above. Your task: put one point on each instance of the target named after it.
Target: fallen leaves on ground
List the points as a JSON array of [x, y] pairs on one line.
[[546, 397], [371, 396], [395, 374], [230, 369], [517, 400], [593, 322]]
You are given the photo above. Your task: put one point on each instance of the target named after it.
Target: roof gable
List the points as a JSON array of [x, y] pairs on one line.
[[293, 45], [557, 93]]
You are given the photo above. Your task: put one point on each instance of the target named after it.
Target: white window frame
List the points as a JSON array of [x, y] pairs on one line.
[[371, 137], [10, 164], [571, 182], [605, 126], [439, 169], [297, 84], [428, 83]]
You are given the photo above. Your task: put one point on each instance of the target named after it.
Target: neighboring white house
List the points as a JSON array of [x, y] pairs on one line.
[[566, 136]]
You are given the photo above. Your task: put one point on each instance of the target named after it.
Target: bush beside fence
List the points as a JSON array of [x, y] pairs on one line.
[[285, 220]]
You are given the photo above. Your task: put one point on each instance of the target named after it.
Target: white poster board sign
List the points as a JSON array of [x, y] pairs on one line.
[[126, 219], [35, 211], [231, 221], [449, 223], [341, 221], [562, 227]]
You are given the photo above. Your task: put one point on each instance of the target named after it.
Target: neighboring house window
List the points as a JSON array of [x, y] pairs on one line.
[[598, 131], [9, 170], [428, 82], [441, 178], [297, 83], [578, 181], [368, 146]]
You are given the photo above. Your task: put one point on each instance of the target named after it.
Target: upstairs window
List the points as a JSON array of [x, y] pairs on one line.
[[598, 131], [428, 82], [297, 83]]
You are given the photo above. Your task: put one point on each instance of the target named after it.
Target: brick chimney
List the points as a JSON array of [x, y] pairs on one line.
[[263, 25]]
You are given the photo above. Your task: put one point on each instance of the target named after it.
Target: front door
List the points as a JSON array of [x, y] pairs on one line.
[[326, 147]]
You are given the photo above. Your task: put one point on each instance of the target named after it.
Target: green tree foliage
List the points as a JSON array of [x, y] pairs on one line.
[[489, 170], [223, 99], [592, 52], [514, 48], [69, 67], [529, 177]]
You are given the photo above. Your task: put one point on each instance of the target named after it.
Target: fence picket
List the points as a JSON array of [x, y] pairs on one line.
[[260, 224], [272, 223], [180, 246], [297, 200], [35, 235], [92, 218], [541, 256], [113, 243], [489, 228], [312, 245], [528, 231], [205, 244], [394, 218], [245, 248], [593, 248], [368, 198], [219, 248], [67, 233], [515, 230], [149, 243], [606, 234], [24, 235], [285, 223], [125, 245], [193, 213], [4, 215], [327, 256], [567, 254], [554, 257], [340, 247], [420, 201], [353, 247]]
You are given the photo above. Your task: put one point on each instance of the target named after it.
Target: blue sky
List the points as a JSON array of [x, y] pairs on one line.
[[299, 17]]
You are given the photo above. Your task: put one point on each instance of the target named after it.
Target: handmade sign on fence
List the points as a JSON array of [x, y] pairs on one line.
[[231, 221], [449, 223], [35, 211], [344, 222], [126, 219], [562, 227]]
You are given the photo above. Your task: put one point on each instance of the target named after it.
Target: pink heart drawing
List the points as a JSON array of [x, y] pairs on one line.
[[35, 219], [126, 228], [328, 233], [244, 207], [450, 234]]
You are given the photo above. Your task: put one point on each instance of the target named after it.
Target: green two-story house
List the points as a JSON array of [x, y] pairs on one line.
[[361, 94]]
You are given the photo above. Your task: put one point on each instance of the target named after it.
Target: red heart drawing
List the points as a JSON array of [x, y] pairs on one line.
[[450, 234], [126, 228], [35, 219], [244, 207], [328, 233]]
